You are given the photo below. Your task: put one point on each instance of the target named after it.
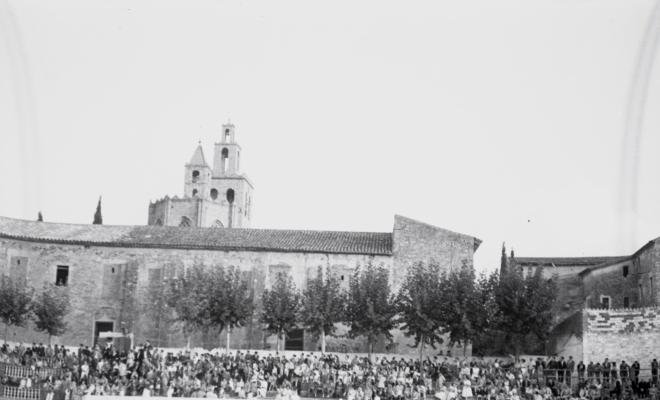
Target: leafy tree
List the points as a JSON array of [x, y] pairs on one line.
[[98, 218], [323, 305], [15, 302], [49, 308], [371, 309], [188, 297], [417, 305], [157, 306], [486, 316], [459, 309], [525, 306], [40, 217], [280, 306], [231, 299]]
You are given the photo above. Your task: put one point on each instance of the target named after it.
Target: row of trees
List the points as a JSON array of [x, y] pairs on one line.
[[431, 305], [20, 303]]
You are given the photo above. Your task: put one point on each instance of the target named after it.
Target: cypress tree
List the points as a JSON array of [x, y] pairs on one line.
[[40, 218], [98, 218]]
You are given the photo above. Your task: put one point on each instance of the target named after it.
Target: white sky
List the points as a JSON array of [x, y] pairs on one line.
[[497, 118]]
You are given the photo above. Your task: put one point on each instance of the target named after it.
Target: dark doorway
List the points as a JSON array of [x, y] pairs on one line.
[[294, 340], [102, 326]]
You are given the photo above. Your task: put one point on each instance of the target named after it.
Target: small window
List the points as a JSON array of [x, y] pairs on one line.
[[230, 196], [185, 222], [194, 192], [195, 176], [605, 302], [625, 271], [626, 302], [62, 275], [342, 277], [214, 194], [227, 135]]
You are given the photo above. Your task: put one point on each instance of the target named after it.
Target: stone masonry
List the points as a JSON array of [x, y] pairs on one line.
[[621, 334]]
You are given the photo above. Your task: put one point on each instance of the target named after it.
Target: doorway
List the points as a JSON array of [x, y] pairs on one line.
[[294, 340], [102, 326]]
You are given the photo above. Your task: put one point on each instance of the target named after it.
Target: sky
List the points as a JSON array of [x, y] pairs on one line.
[[501, 119]]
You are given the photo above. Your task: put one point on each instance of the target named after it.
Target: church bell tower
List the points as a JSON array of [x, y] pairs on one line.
[[218, 197]]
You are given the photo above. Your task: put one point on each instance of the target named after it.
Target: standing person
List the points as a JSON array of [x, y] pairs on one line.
[[580, 370], [570, 367], [654, 371], [467, 388]]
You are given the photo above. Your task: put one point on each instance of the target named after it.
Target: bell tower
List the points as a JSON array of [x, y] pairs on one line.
[[226, 160], [218, 197]]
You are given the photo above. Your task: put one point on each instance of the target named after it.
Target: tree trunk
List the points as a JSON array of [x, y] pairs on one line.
[[421, 353], [188, 342], [322, 341], [464, 348], [49, 339], [279, 336], [371, 347], [228, 334]]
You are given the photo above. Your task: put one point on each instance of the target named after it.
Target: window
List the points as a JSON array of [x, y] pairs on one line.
[[342, 277], [626, 302], [227, 135], [218, 224], [625, 271], [224, 157], [605, 302], [214, 194], [230, 196], [159, 222], [185, 222], [195, 176], [62, 275], [194, 192]]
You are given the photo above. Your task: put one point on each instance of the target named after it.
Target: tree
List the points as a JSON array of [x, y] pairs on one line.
[[417, 305], [40, 218], [50, 307], [231, 300], [280, 306], [15, 302], [98, 218], [157, 307], [371, 309], [323, 305], [525, 306], [188, 297], [459, 309]]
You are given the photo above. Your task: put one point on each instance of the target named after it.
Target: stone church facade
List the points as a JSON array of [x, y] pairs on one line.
[[110, 271]]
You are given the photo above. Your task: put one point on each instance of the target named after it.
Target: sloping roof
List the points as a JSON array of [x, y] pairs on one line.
[[368, 243], [198, 157], [564, 261]]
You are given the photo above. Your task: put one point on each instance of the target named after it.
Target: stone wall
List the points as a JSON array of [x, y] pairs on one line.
[[610, 281], [415, 241], [621, 334], [99, 294]]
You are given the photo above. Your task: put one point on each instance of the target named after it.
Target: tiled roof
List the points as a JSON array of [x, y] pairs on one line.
[[565, 261], [369, 243]]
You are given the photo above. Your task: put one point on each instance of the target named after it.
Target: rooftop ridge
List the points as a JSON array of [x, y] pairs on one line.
[[245, 239]]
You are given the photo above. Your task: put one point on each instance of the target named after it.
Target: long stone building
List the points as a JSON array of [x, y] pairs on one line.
[[109, 270]]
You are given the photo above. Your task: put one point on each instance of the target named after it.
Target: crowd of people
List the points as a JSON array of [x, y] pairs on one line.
[[70, 374]]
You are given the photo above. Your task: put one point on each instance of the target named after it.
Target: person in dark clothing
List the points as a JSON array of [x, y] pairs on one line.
[[580, 370], [635, 372], [654, 372], [570, 368]]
